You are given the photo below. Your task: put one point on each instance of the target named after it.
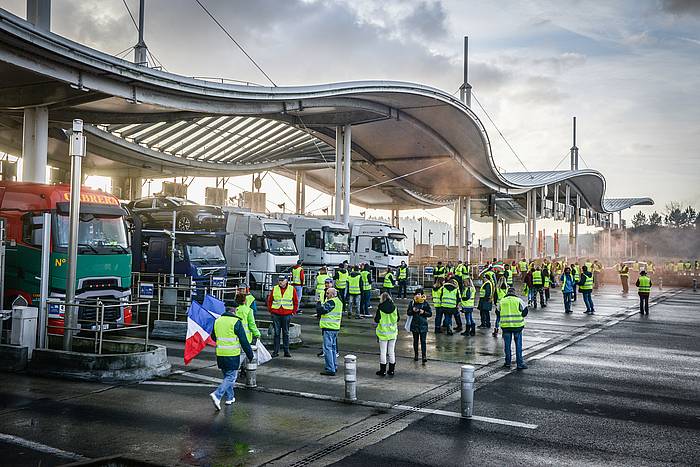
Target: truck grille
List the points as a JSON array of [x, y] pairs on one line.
[[88, 312]]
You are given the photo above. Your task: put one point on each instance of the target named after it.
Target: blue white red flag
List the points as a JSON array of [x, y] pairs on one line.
[[200, 325]]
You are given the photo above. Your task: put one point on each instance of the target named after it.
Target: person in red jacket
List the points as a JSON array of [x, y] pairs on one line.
[[282, 303]]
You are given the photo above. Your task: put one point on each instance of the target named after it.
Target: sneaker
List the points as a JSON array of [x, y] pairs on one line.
[[288, 355], [216, 401], [506, 365], [327, 373], [320, 354], [229, 402], [522, 367], [275, 354]]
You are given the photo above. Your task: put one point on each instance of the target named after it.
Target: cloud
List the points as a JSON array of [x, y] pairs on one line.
[[426, 20], [681, 7]]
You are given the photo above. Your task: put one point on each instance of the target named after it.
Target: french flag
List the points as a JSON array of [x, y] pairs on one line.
[[200, 325]]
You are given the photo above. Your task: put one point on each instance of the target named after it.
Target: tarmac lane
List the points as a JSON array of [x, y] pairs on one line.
[[628, 395], [614, 388]]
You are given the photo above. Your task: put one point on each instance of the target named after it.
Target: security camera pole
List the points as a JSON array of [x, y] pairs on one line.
[[77, 152]]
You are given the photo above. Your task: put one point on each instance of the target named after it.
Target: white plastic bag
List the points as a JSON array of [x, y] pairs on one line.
[[263, 355], [407, 326]]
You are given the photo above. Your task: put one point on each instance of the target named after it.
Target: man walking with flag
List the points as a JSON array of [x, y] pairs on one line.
[[229, 335]]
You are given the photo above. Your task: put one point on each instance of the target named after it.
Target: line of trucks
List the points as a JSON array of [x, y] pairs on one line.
[[112, 245]]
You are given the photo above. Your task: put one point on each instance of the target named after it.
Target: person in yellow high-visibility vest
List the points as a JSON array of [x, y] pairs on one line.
[[321, 282], [330, 314], [624, 271], [387, 331], [298, 280], [512, 312], [388, 283], [644, 289], [585, 286], [230, 337], [402, 278], [354, 292]]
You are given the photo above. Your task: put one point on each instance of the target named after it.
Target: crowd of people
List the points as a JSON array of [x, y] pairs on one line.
[[449, 308]]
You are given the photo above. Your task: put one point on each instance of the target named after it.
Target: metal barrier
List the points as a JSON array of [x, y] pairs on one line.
[[103, 322]]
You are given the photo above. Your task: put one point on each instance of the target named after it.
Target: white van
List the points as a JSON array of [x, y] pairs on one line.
[[259, 245]]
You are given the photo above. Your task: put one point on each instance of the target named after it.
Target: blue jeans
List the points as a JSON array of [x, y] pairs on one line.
[[468, 317], [354, 304], [281, 325], [330, 348], [438, 318], [587, 299], [226, 386], [364, 303], [299, 289], [448, 317], [518, 337], [567, 301]]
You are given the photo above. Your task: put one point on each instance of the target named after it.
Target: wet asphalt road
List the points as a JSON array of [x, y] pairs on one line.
[[629, 395], [601, 390]]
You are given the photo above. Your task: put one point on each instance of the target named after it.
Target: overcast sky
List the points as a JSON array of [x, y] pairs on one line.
[[629, 70]]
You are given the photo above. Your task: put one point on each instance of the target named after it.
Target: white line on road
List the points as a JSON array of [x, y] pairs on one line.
[[373, 404], [41, 447]]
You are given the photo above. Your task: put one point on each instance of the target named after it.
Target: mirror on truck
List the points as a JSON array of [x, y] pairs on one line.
[[257, 243]]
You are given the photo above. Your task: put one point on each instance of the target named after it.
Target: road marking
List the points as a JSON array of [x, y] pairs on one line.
[[41, 447], [373, 404]]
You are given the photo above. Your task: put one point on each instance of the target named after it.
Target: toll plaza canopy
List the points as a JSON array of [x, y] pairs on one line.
[[412, 145]]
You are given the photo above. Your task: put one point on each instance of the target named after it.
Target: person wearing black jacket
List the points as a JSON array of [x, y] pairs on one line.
[[419, 311]]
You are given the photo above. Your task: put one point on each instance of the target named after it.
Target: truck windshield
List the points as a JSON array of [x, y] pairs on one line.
[[282, 246], [95, 233], [205, 253], [336, 241], [397, 246]]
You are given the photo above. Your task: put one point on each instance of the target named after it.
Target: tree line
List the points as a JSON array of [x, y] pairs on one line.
[[676, 216]]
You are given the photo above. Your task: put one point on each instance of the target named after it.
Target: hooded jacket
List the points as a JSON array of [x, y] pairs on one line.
[[384, 307], [419, 323]]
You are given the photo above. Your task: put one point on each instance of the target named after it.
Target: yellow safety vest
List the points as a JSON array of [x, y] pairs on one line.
[[366, 282], [482, 290], [245, 314], [227, 343], [588, 283], [536, 277], [285, 301], [547, 281], [577, 273], [388, 329], [468, 302], [511, 317], [523, 266], [354, 285], [509, 276], [321, 282], [403, 273], [249, 300], [296, 276], [644, 284], [331, 320], [342, 280], [448, 298], [439, 272], [436, 297], [624, 271], [388, 281]]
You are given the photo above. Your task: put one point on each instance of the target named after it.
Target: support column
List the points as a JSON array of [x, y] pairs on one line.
[[35, 140], [338, 172], [395, 218], [494, 237], [503, 238], [535, 214], [347, 158], [300, 202], [467, 206], [528, 224], [577, 213]]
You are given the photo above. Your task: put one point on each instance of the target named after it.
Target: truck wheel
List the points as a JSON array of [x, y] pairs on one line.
[[184, 222]]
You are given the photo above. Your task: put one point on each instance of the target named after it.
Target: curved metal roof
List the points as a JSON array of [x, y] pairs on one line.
[[413, 145]]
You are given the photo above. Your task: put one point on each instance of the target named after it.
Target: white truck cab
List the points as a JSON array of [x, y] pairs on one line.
[[378, 243], [320, 241], [259, 245]]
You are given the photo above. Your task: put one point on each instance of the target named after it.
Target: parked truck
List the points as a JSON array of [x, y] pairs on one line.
[[321, 242], [198, 256], [260, 246], [377, 243], [104, 257]]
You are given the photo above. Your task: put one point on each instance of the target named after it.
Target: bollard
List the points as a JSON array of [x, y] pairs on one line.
[[251, 368], [467, 381], [350, 378], [695, 285]]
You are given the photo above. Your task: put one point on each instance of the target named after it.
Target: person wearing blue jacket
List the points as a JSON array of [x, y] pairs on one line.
[[567, 288]]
